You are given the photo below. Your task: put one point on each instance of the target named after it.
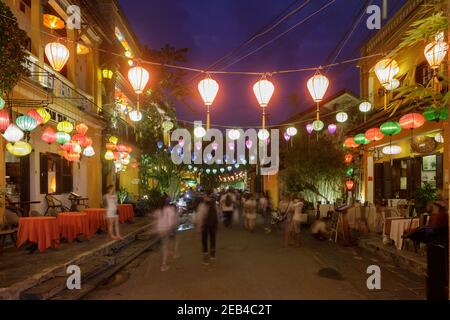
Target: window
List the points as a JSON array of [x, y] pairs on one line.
[[56, 174]]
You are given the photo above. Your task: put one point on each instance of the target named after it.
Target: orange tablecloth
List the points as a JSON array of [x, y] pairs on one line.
[[126, 212], [40, 230], [73, 224], [97, 219]]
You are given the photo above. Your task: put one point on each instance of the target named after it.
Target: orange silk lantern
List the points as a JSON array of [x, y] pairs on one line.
[[348, 158], [72, 157], [82, 129], [412, 121], [87, 142], [349, 184], [374, 134], [110, 146], [350, 143]]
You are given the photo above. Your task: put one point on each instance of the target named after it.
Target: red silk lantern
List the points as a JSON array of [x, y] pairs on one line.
[[79, 138], [110, 146], [4, 120], [87, 142], [348, 158], [82, 129], [69, 146], [36, 116], [374, 134], [121, 148], [349, 184], [412, 121], [116, 156], [49, 135], [350, 143]]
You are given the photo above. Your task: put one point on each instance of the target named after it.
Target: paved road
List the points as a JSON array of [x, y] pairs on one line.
[[255, 266]]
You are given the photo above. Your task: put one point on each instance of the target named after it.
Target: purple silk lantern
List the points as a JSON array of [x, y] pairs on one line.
[[332, 129], [309, 128], [287, 137]]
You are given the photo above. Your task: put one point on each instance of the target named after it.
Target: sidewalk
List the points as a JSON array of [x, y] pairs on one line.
[[20, 271]]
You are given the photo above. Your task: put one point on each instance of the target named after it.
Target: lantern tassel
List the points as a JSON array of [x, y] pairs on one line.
[[208, 119], [264, 118]]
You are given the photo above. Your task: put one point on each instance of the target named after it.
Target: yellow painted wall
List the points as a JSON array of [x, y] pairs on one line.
[[271, 185], [94, 166]]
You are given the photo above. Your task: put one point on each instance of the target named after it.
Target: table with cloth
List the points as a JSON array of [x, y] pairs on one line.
[[369, 216], [126, 212], [396, 228], [43, 231], [97, 219], [73, 224], [324, 208]]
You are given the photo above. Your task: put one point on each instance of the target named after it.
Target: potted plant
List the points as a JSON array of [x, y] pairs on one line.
[[422, 196]]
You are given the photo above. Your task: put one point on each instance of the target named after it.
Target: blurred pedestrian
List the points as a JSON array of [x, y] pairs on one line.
[[286, 211], [297, 219], [208, 222], [250, 212], [227, 205], [112, 215], [166, 226]]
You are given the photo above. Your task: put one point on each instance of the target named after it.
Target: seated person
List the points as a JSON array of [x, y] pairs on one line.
[[319, 228]]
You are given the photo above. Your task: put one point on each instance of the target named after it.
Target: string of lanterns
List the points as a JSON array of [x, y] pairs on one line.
[[120, 154]]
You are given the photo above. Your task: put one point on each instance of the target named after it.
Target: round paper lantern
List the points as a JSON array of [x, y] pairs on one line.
[[263, 90], [49, 135], [110, 146], [348, 158], [214, 171], [82, 129], [435, 53], [263, 134], [113, 139], [26, 123], [121, 148], [349, 184], [62, 137], [350, 143], [167, 125], [361, 139], [318, 125], [138, 77], [318, 86], [13, 134], [292, 131], [45, 115], [439, 138], [234, 134], [65, 126], [19, 149], [374, 134], [208, 89], [57, 54], [392, 150], [109, 155], [365, 106], [386, 70], [309, 128], [332, 128], [391, 128], [199, 132], [89, 152], [412, 121], [36, 116], [4, 120], [135, 116], [341, 117]]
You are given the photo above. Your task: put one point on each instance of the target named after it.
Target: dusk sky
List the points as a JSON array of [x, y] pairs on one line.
[[212, 28]]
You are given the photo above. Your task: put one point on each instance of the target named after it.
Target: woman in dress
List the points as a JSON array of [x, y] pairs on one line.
[[250, 212], [112, 216], [297, 218]]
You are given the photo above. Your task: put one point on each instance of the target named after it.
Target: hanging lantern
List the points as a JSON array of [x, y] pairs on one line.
[[159, 144], [198, 146], [2, 103], [309, 128], [76, 148], [434, 114], [391, 128], [45, 115], [167, 125], [361, 139], [231, 146], [263, 134], [249, 144], [348, 158], [116, 156], [53, 22], [89, 152], [107, 74], [13, 134], [68, 146], [342, 117], [349, 184], [263, 91], [181, 142], [135, 116], [19, 149], [351, 143], [412, 121], [109, 155], [374, 134], [49, 135], [208, 89], [26, 123], [435, 53], [73, 157], [392, 150], [82, 50], [4, 120], [122, 148], [79, 138], [110, 146], [234, 134], [392, 85], [57, 54], [82, 129], [292, 131], [349, 172], [287, 137], [138, 77], [386, 70], [86, 143], [222, 170], [62, 137], [65, 126], [332, 128], [318, 125], [129, 149], [365, 107], [113, 139], [318, 86], [199, 132], [439, 138], [36, 116]]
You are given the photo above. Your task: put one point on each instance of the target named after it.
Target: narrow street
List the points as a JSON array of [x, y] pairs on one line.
[[255, 266]]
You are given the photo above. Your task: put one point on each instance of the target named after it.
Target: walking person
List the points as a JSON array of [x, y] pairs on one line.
[[286, 210], [112, 215], [264, 208], [166, 226], [250, 212], [297, 219], [208, 222], [227, 205]]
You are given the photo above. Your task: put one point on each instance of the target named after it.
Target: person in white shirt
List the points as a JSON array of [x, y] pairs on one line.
[[297, 218], [112, 216], [227, 205]]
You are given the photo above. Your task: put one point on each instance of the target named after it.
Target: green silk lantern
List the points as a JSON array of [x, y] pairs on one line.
[[26, 123], [318, 125], [391, 128], [433, 114], [62, 137], [2, 103], [349, 172], [361, 139]]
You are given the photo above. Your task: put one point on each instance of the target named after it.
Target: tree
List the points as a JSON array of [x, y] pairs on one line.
[[12, 50]]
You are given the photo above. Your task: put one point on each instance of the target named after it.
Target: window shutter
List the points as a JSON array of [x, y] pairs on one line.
[[43, 165], [387, 186]]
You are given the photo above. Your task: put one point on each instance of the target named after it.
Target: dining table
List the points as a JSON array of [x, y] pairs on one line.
[[42, 231], [97, 219], [73, 224], [367, 217], [126, 212], [397, 227]]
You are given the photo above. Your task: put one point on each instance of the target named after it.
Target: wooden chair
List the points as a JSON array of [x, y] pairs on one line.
[[12, 221], [54, 204]]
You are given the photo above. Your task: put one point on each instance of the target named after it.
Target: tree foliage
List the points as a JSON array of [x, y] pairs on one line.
[[12, 50]]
